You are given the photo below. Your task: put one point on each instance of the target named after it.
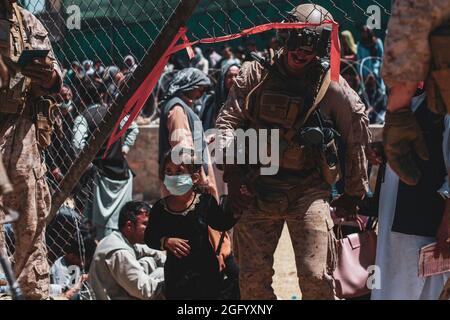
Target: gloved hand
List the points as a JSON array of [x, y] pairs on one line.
[[346, 206], [41, 71], [403, 138], [239, 195], [4, 73]]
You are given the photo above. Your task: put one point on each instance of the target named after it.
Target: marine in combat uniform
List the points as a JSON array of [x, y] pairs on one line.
[[295, 95], [25, 124]]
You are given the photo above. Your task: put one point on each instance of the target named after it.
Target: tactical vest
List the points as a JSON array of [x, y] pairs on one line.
[[290, 105], [17, 98], [280, 102], [438, 89], [13, 41]]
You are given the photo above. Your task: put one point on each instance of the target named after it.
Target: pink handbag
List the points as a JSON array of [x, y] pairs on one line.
[[355, 253]]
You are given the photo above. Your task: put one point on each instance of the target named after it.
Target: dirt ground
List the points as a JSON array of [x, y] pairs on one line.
[[285, 281]]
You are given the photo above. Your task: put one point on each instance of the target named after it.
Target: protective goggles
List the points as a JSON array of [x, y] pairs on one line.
[[309, 41], [303, 39]]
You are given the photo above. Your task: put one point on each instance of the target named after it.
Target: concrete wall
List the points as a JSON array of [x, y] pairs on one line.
[[143, 160]]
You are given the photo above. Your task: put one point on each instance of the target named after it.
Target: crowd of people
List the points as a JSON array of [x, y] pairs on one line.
[[213, 232]]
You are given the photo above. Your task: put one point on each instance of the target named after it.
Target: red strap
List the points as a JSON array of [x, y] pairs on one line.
[[335, 54], [189, 49], [134, 106], [140, 97]]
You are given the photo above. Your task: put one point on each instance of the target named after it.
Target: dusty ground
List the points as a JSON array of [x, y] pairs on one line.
[[285, 281]]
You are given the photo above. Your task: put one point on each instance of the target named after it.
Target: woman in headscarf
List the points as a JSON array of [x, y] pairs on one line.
[[209, 112], [88, 66], [178, 122], [349, 65], [370, 51], [348, 51], [113, 78], [130, 65], [199, 61]]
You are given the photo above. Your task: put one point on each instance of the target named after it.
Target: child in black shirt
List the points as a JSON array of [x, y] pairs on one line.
[[179, 224]]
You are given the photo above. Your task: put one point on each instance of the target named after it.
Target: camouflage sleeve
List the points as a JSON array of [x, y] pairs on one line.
[[39, 40], [407, 51], [345, 108], [231, 116]]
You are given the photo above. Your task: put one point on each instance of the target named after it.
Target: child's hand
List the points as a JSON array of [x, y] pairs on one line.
[[178, 247]]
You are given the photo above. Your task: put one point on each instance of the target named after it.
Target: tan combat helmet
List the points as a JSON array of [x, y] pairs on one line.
[[308, 38], [309, 12]]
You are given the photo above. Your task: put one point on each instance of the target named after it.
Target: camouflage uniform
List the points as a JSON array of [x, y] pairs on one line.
[[416, 49], [25, 166], [308, 218], [407, 54]]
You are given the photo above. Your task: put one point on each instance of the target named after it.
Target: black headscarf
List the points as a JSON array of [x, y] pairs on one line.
[[213, 104], [187, 80]]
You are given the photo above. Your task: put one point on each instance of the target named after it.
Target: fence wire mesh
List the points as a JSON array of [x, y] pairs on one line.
[[101, 54]]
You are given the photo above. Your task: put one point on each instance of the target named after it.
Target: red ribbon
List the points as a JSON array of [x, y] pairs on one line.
[[134, 106], [335, 54]]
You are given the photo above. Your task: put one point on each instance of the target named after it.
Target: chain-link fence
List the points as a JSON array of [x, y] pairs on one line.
[[91, 40], [106, 48]]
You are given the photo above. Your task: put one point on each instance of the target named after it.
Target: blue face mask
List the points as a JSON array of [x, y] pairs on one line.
[[178, 185]]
